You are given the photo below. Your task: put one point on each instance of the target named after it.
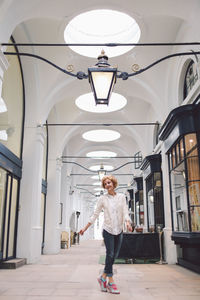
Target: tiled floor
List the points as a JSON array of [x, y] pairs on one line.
[[73, 273]]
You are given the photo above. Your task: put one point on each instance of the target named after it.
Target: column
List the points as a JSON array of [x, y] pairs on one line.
[[29, 237], [52, 227], [169, 246]]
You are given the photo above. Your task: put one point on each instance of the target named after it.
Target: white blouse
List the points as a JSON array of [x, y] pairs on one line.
[[115, 212]]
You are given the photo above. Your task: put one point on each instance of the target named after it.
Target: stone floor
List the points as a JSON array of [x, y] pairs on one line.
[[73, 273]]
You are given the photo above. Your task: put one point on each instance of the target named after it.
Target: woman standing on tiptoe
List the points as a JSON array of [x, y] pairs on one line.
[[115, 214]]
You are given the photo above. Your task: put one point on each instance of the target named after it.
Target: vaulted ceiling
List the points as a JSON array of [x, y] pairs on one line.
[[51, 94]]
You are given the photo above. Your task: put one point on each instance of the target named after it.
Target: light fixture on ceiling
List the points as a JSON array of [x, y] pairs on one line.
[[102, 78], [101, 172]]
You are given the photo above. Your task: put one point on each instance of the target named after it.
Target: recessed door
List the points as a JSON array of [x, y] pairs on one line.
[[8, 215]]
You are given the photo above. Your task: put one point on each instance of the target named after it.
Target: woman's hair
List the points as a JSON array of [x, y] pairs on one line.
[[110, 177]]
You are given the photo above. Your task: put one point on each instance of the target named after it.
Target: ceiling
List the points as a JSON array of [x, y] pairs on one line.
[[51, 94]]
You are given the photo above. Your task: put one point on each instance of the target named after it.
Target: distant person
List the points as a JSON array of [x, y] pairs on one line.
[[115, 215]]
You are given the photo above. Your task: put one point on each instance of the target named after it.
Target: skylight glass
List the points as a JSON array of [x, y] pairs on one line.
[[98, 189], [102, 26], [101, 135], [101, 154], [97, 183], [86, 102], [96, 177], [97, 168]]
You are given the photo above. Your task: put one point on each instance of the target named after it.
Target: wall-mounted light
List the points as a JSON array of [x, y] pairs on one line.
[[102, 78]]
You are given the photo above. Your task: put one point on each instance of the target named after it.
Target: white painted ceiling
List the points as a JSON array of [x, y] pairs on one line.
[[55, 92]]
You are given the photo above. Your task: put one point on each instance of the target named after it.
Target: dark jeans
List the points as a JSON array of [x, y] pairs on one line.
[[113, 244]]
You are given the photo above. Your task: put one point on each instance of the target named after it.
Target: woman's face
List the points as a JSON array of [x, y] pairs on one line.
[[108, 184]]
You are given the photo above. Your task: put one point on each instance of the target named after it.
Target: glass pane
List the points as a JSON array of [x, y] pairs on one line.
[[151, 216], [179, 199], [177, 153], [195, 218], [6, 219], [173, 158], [2, 202], [13, 219], [193, 168], [170, 160], [12, 114], [141, 208], [181, 150], [194, 193], [137, 214], [157, 179], [190, 142]]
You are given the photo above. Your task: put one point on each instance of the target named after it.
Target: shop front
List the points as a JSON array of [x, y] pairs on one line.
[[152, 173], [181, 136], [139, 205], [11, 141]]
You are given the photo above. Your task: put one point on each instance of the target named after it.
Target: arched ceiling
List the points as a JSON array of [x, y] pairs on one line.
[[44, 22]]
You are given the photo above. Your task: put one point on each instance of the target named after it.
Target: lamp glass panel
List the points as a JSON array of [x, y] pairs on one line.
[[102, 82]]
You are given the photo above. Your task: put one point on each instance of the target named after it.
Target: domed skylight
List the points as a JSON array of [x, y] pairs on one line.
[[96, 177], [101, 154], [97, 183], [98, 189], [102, 26], [101, 135], [86, 102]]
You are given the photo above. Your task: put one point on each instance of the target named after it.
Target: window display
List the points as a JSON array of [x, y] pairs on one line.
[[185, 184]]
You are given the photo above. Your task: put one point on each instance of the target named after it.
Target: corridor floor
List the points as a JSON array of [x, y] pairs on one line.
[[72, 274]]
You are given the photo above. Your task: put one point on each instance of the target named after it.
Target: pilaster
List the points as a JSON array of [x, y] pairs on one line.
[[29, 239]]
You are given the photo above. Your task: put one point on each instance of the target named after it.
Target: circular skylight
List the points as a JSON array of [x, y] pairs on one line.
[[98, 189], [101, 135], [102, 26], [86, 102], [98, 167], [97, 183], [101, 154], [95, 177]]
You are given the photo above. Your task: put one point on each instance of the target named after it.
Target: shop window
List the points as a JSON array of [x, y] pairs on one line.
[[191, 77], [155, 208], [185, 185], [139, 217]]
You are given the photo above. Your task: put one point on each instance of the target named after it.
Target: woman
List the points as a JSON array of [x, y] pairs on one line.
[[115, 214]]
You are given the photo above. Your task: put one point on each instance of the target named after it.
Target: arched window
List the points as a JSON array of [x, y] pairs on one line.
[[191, 77], [12, 105]]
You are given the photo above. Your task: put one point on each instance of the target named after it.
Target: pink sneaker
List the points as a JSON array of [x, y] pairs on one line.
[[103, 284], [112, 288]]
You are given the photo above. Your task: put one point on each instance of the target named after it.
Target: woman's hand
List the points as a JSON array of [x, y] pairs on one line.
[[129, 227], [81, 231]]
